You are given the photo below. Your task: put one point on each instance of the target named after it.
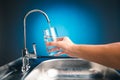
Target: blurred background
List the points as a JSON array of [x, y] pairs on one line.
[[84, 21]]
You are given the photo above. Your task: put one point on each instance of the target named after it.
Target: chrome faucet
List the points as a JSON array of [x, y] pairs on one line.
[[25, 54]]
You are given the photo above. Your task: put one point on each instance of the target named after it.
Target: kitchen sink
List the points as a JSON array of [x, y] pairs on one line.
[[49, 68], [72, 69]]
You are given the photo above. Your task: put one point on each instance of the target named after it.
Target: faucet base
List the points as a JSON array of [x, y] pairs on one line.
[[25, 69], [25, 66]]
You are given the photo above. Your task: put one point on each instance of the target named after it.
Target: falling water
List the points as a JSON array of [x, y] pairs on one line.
[[49, 25]]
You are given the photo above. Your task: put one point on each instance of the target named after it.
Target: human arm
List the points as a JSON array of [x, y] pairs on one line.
[[105, 54]]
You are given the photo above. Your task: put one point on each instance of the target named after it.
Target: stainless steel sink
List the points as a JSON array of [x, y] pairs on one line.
[[70, 69], [58, 69]]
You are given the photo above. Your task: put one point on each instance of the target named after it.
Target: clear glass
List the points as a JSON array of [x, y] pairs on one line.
[[49, 36]]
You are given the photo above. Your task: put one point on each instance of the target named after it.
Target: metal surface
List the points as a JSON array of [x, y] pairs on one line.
[[25, 54], [68, 69], [58, 69], [32, 11]]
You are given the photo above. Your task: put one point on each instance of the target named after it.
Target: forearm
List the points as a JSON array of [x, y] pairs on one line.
[[107, 54]]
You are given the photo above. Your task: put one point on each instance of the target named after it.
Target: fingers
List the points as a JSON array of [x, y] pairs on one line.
[[54, 49], [59, 53], [54, 43], [51, 43], [60, 39]]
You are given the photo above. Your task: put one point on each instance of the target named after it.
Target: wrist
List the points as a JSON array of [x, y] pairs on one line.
[[72, 48]]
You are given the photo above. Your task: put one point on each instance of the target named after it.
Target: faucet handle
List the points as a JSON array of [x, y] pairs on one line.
[[34, 48], [32, 55]]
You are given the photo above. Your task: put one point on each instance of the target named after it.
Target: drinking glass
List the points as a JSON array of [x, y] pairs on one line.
[[50, 35]]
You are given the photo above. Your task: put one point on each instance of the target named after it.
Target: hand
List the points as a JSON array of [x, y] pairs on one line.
[[63, 43]]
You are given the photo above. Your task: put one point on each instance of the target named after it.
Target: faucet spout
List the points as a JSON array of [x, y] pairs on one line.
[[35, 10], [25, 54]]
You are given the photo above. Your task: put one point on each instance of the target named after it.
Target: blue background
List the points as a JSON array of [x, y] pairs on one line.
[[84, 21]]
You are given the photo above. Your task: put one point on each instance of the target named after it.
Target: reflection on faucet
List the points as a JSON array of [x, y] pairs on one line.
[[25, 54]]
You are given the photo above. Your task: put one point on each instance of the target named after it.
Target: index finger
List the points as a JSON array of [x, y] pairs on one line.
[[50, 43], [60, 38]]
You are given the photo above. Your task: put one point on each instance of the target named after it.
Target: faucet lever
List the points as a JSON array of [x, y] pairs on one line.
[[32, 55], [34, 49]]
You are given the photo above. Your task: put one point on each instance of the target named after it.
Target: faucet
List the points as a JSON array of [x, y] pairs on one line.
[[25, 54]]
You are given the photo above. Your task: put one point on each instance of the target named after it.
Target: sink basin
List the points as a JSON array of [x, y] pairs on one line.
[[58, 69], [69, 69]]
